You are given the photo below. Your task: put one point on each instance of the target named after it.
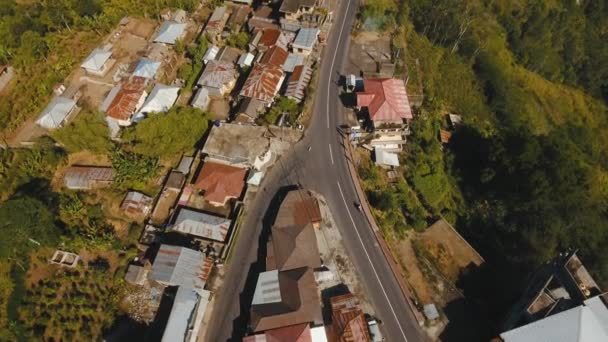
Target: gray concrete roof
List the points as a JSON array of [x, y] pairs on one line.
[[236, 144]]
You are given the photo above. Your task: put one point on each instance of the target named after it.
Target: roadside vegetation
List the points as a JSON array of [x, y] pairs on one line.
[[525, 178]]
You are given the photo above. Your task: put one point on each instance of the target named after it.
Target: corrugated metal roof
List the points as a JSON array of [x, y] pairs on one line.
[[201, 99], [220, 182], [169, 32], [307, 38], [146, 68], [263, 82], [386, 99], [125, 101], [216, 19], [217, 74], [211, 53], [179, 266], [56, 112], [202, 225], [135, 202], [267, 288], [86, 177], [386, 158], [161, 99], [246, 59], [181, 314], [96, 60], [298, 82], [292, 61], [184, 164]]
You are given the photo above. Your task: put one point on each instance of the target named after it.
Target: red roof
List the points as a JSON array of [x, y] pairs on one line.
[[348, 320], [270, 36], [263, 82], [276, 55], [220, 182], [125, 102], [293, 333], [386, 99]]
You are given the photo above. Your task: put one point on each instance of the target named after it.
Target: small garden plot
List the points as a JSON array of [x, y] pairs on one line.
[[72, 304]]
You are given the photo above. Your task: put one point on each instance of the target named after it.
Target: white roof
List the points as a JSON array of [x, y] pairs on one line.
[[180, 316], [201, 99], [169, 32], [217, 74], [96, 60], [584, 323], [318, 334], [267, 289], [146, 68], [56, 112], [386, 158], [246, 59], [161, 99], [255, 178], [211, 53], [306, 38], [202, 225]]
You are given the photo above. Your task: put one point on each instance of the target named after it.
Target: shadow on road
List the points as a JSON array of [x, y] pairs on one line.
[[241, 323]]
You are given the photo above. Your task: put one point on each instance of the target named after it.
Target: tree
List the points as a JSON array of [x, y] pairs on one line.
[[239, 39], [88, 132], [282, 105], [165, 135], [22, 219]]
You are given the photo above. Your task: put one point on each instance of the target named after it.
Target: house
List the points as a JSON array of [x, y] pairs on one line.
[[558, 286], [263, 83], [57, 113], [65, 259], [211, 53], [229, 54], [222, 147], [201, 99], [180, 266], [298, 83], [88, 177], [124, 100], [249, 110], [296, 14], [175, 181], [185, 164], [183, 315], [266, 38], [136, 203], [146, 68], [386, 101], [286, 294], [238, 18], [347, 319], [388, 109], [292, 61], [245, 60], [169, 32], [386, 158], [202, 225], [262, 18], [296, 333], [445, 136], [285, 298], [585, 322], [220, 182], [217, 21], [305, 41], [161, 99], [98, 62], [218, 78], [136, 275], [276, 56]]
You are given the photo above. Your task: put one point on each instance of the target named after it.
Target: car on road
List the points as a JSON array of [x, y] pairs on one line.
[[374, 331]]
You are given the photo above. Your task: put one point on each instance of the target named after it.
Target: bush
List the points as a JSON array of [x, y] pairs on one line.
[[88, 132]]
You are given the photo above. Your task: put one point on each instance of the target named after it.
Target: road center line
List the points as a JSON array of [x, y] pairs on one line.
[[331, 155], [370, 262], [333, 60]]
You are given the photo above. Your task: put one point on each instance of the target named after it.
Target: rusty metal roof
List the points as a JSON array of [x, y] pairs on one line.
[[386, 99], [263, 82]]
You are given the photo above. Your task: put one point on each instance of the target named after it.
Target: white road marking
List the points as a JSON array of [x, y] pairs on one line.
[[333, 60], [331, 155], [370, 262]]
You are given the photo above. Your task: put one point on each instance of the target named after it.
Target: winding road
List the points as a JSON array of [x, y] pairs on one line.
[[323, 169]]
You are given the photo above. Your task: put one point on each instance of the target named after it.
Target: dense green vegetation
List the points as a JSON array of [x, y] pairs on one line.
[[44, 40], [525, 178], [88, 132]]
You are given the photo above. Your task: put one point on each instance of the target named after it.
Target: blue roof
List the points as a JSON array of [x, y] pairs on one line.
[[169, 32], [307, 37], [146, 68]]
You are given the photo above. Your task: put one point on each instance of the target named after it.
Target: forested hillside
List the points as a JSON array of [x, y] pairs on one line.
[[527, 177]]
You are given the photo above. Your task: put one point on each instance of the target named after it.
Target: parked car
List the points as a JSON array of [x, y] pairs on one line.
[[374, 331]]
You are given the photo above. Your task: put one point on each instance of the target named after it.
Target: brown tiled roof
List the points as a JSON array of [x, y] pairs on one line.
[[299, 292], [276, 55], [293, 333], [348, 321], [386, 99], [125, 102], [298, 208], [295, 246], [263, 82], [220, 182]]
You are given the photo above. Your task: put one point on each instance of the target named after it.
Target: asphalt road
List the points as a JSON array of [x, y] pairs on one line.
[[323, 169]]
